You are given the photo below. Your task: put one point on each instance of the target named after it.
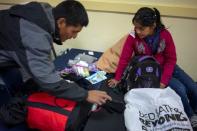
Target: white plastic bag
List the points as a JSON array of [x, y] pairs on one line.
[[149, 109]]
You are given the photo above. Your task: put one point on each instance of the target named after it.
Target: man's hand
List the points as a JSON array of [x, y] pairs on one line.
[[162, 86], [98, 97], [112, 82]]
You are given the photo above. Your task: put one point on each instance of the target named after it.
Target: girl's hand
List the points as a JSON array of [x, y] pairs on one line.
[[162, 85], [112, 82]]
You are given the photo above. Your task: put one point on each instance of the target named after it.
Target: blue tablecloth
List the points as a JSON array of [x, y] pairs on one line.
[[62, 61]]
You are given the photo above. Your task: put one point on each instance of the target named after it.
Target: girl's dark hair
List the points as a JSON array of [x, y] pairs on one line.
[[73, 11], [147, 17]]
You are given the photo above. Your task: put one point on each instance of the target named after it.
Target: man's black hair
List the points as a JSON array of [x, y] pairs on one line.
[[73, 11]]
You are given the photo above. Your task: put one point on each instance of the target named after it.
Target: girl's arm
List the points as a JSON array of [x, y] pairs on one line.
[[169, 59], [125, 57]]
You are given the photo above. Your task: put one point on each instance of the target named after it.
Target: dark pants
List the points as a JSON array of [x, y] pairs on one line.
[[186, 88], [13, 81]]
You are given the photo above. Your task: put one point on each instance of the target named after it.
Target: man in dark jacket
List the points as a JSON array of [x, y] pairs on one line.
[[26, 36]]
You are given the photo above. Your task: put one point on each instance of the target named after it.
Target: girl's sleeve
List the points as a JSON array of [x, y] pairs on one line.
[[125, 57]]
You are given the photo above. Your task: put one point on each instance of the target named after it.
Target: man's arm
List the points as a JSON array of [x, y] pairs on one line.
[[34, 57]]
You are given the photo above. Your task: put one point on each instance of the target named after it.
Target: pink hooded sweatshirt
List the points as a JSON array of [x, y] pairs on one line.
[[165, 55]]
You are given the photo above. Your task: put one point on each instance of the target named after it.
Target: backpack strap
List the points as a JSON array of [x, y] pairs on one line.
[[146, 57]]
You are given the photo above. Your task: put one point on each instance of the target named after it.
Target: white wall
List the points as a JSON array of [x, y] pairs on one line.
[[103, 30], [184, 32], [4, 6]]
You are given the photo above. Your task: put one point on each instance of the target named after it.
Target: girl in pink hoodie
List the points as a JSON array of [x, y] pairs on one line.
[[150, 37]]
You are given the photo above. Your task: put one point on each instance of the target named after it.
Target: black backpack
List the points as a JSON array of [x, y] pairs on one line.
[[110, 116], [141, 72]]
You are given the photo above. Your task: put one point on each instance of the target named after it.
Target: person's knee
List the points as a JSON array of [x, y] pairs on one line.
[[177, 86], [178, 69]]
